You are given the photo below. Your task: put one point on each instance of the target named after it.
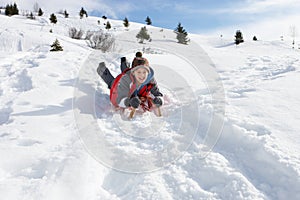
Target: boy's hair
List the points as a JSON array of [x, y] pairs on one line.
[[138, 54]]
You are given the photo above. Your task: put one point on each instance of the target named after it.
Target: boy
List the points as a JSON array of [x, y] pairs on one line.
[[132, 86]]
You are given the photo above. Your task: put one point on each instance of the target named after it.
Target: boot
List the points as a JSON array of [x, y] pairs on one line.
[[101, 69], [105, 74]]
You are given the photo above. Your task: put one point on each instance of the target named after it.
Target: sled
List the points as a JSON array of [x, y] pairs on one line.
[[146, 105], [156, 111]]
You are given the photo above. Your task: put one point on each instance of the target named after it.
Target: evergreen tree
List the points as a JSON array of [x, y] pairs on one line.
[[238, 37], [8, 10], [148, 21], [108, 26], [56, 46], [181, 34], [11, 10], [53, 18], [143, 35], [126, 22], [82, 13], [31, 16], [40, 12], [66, 14], [254, 38], [15, 9]]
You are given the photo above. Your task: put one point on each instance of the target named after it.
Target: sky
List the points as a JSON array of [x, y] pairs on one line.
[[267, 18]]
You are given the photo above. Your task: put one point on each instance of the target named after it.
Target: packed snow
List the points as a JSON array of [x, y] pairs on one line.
[[229, 128]]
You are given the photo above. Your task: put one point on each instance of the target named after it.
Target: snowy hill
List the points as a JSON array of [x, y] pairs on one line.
[[230, 126]]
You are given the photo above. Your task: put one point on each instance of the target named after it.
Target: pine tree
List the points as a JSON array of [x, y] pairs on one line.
[[40, 12], [56, 46], [108, 26], [8, 10], [15, 9], [82, 13], [31, 16], [11, 10], [181, 34], [238, 37], [66, 14], [254, 38], [143, 35], [126, 22], [53, 18], [148, 21]]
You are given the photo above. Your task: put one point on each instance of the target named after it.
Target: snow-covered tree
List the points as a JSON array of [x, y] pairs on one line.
[[143, 35], [102, 41], [181, 34], [75, 34], [82, 13], [53, 18], [56, 46], [238, 37]]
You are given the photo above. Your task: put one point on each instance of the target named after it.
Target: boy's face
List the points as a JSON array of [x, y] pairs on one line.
[[141, 75]]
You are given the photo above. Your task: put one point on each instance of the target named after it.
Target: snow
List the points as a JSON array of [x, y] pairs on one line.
[[229, 128]]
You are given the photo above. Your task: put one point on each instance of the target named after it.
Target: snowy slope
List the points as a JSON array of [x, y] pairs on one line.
[[53, 104]]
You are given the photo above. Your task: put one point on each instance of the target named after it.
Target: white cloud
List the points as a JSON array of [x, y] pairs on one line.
[[262, 7], [266, 29], [267, 19]]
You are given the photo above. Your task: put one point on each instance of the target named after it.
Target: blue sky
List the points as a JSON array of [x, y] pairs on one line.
[[202, 16], [197, 16], [194, 15]]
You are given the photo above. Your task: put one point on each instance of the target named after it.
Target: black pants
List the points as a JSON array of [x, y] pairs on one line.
[[105, 74]]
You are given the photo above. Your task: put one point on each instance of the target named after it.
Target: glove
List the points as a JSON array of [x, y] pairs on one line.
[[156, 92], [157, 101], [135, 102], [127, 102]]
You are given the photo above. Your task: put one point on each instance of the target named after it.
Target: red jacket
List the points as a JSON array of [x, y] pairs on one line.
[[125, 86]]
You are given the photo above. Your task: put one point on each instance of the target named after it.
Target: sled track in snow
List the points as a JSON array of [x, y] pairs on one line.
[[189, 114]]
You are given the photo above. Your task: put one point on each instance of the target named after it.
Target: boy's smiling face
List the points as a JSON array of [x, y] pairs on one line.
[[141, 75]]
